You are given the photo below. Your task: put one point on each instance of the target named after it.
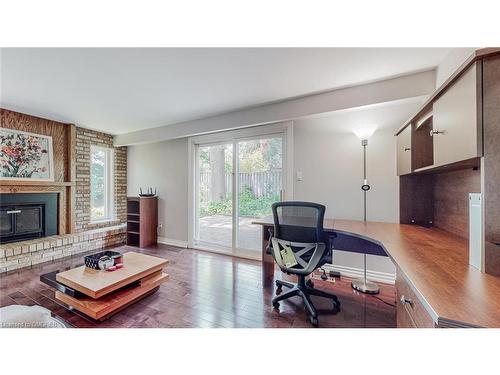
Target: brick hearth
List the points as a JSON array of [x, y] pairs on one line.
[[28, 253]]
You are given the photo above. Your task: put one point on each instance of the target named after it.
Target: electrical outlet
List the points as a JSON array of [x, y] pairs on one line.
[[334, 274]]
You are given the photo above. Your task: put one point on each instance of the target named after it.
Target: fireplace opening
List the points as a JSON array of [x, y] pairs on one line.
[[27, 216]]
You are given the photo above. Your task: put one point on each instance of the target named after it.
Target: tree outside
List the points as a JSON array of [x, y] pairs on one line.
[[97, 176], [260, 172]]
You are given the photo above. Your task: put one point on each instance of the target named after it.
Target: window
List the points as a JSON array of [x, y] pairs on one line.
[[101, 183]]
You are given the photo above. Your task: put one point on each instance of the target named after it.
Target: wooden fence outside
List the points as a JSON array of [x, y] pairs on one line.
[[261, 184]]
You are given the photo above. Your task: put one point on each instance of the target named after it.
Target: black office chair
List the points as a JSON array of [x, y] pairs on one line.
[[298, 226]]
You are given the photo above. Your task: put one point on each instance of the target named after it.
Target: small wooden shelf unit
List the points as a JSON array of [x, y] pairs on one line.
[[142, 221]]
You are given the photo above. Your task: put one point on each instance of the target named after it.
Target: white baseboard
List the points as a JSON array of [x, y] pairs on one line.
[[382, 277], [172, 242]]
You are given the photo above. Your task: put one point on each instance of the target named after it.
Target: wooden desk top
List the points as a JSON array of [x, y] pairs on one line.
[[435, 263], [97, 283]]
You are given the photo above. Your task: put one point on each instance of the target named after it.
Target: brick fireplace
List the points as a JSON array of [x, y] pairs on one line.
[[70, 190]]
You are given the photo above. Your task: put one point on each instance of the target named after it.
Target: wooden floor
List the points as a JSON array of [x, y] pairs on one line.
[[208, 290]]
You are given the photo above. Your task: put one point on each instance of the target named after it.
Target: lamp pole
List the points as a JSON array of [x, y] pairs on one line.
[[366, 186], [362, 284]]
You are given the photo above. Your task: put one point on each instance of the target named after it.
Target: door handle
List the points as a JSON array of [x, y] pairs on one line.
[[405, 300], [433, 132]]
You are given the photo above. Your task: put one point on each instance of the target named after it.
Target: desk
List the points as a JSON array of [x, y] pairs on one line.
[[433, 273]]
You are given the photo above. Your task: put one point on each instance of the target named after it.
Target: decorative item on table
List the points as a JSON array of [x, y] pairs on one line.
[[149, 192], [103, 260]]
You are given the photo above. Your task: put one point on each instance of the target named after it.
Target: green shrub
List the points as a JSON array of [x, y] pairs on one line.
[[216, 208], [249, 205]]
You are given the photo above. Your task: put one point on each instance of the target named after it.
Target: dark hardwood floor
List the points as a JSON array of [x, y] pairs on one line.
[[208, 290]]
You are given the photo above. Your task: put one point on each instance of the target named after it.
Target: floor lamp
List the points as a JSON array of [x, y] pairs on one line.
[[362, 284]]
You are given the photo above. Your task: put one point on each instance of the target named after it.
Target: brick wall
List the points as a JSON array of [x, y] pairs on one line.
[[28, 253], [84, 139]]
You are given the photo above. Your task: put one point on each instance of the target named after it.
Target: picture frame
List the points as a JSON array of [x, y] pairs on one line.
[[25, 156]]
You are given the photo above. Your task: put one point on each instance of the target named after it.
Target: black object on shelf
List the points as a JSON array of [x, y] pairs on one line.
[[50, 279], [92, 261]]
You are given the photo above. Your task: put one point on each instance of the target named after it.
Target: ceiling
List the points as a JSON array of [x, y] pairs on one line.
[[120, 90], [365, 120]]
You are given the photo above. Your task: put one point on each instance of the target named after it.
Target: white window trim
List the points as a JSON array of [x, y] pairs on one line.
[[109, 204]]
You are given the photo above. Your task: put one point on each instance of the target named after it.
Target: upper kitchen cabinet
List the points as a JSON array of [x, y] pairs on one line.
[[404, 151], [422, 151], [457, 122]]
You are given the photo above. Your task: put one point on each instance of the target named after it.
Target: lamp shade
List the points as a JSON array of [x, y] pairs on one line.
[[364, 131]]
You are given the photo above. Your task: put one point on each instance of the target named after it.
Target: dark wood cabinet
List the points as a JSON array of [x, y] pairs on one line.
[[142, 221], [455, 148], [410, 312], [422, 154], [491, 201]]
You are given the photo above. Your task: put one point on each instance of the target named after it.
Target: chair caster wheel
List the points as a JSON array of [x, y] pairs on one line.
[[314, 321], [310, 283], [279, 290], [276, 305]]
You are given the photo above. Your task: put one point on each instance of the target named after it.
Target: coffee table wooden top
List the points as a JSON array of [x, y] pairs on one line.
[[97, 283]]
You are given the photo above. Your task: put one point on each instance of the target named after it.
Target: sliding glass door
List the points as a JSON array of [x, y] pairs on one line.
[[215, 202], [251, 167], [260, 184]]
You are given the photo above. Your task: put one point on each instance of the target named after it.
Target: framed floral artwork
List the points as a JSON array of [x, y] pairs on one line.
[[25, 156]]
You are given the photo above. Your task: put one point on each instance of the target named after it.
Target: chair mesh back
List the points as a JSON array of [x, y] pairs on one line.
[[298, 221]]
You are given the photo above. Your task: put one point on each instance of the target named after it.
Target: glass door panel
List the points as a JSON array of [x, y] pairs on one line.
[[214, 219], [259, 183]]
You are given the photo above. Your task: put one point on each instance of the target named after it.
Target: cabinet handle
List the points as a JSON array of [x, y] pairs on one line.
[[405, 300], [432, 132], [407, 148], [14, 212]]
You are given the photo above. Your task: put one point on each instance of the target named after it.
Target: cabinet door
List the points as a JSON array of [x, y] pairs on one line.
[[455, 121], [403, 318], [404, 151], [410, 311]]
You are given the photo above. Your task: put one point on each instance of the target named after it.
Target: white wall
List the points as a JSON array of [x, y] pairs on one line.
[[452, 62], [163, 165], [327, 153], [331, 163], [332, 166], [330, 158]]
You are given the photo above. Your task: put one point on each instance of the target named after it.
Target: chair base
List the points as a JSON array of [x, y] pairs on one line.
[[304, 290]]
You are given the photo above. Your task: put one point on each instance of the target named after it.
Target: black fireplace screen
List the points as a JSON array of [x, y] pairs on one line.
[[21, 222], [27, 216]]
